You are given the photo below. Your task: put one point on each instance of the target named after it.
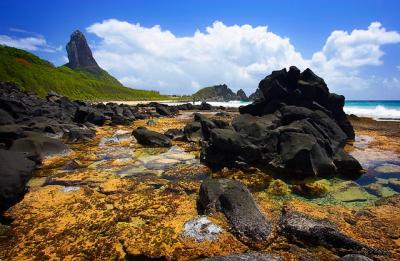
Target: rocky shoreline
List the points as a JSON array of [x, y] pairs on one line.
[[154, 181]]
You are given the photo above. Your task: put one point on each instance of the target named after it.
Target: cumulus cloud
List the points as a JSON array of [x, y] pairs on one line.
[[238, 55], [34, 42]]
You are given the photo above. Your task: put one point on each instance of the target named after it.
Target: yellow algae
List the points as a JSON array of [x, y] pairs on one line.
[[118, 207]]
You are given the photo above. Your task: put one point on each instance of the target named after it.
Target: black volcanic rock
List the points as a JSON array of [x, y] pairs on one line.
[[15, 171], [242, 95], [236, 202], [79, 54], [151, 138], [298, 129], [301, 227]]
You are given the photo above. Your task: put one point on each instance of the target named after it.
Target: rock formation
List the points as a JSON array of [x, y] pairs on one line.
[[79, 54], [216, 93], [298, 129], [242, 95], [256, 95]]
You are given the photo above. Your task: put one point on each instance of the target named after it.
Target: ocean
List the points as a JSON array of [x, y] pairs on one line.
[[380, 110]]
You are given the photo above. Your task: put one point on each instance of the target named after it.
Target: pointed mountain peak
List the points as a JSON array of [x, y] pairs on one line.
[[79, 54]]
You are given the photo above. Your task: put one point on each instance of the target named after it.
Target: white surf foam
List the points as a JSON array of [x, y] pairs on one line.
[[377, 112]]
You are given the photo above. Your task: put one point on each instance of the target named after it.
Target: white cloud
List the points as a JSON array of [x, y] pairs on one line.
[[344, 54], [30, 43], [153, 58]]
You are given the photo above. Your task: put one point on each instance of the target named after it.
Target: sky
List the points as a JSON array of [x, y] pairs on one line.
[[177, 47]]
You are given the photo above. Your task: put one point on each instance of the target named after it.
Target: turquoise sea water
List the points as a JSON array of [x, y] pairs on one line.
[[374, 109]]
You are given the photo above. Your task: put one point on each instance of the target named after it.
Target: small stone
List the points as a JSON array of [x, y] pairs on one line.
[[201, 229]]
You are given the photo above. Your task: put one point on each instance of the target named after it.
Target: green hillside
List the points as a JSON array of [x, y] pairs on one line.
[[34, 74], [205, 93]]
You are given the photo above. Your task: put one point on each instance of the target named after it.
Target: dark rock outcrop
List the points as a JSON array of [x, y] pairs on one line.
[[301, 228], [151, 138], [252, 256], [79, 54], [236, 202], [298, 129], [15, 171]]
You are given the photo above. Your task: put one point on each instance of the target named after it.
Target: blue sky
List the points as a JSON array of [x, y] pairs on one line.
[[172, 59]]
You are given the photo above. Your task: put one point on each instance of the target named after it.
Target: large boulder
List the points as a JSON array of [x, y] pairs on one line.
[[236, 202], [151, 138], [15, 171], [298, 128]]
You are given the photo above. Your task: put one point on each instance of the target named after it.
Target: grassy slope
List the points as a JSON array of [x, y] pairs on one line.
[[204, 93], [34, 74]]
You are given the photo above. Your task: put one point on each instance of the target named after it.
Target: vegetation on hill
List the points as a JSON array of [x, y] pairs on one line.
[[31, 73]]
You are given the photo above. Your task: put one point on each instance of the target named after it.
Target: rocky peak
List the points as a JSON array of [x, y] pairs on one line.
[[242, 95], [79, 54]]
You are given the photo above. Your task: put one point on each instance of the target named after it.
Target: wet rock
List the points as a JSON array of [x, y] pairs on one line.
[[300, 227], [120, 120], [236, 202], [256, 256], [165, 110], [37, 147], [87, 114], [355, 257], [80, 134], [151, 138], [201, 229], [175, 134], [193, 131], [15, 171]]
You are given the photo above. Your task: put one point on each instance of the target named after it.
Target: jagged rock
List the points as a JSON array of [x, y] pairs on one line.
[[252, 256], [300, 227], [79, 54], [242, 95], [293, 130], [15, 171], [236, 202], [151, 138]]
